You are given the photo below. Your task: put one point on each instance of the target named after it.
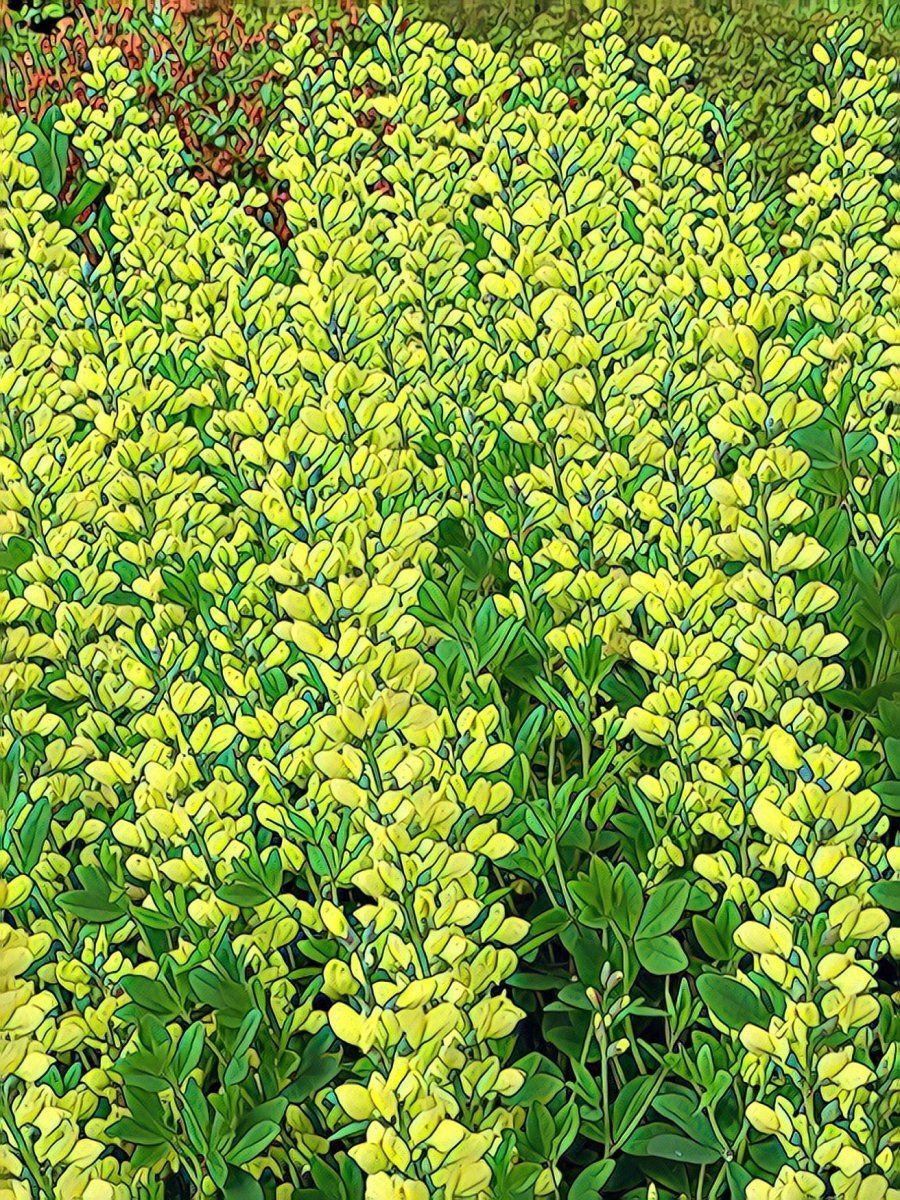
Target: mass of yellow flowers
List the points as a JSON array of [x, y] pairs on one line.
[[420, 778]]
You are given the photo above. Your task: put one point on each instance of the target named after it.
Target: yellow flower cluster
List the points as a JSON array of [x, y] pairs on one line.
[[236, 825]]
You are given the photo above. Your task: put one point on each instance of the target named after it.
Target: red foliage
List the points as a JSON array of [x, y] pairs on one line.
[[193, 63]]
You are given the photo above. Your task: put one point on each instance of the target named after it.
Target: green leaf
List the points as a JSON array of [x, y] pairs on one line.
[[888, 792], [768, 1154], [542, 1081], [732, 1002], [681, 1108], [660, 955], [886, 894], [529, 735], [105, 229], [738, 1180], [273, 870], [637, 1142], [567, 1122], [151, 919], [127, 1130], [243, 894], [151, 994], [540, 1130], [240, 1185], [892, 751], [859, 444], [237, 1070], [351, 1177], [711, 941], [145, 1080], [188, 1051], [587, 1185], [630, 1103], [218, 1168], [247, 1031], [676, 1148], [34, 833], [223, 995], [196, 1115], [15, 552], [665, 907], [628, 213], [867, 700], [822, 442], [889, 501], [253, 1142], [627, 899], [89, 906], [269, 1111], [833, 530], [68, 214], [319, 1064], [325, 1177], [41, 155], [544, 927]]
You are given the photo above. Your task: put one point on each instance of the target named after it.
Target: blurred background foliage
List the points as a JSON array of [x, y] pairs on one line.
[[753, 55], [753, 61]]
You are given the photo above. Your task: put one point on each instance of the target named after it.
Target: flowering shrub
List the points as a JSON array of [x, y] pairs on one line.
[[449, 722]]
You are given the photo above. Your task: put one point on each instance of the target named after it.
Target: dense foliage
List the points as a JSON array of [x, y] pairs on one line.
[[209, 65], [450, 731]]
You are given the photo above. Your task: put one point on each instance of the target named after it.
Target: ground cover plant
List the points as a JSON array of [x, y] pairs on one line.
[[450, 721]]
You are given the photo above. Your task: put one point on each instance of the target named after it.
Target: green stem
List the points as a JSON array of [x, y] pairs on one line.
[[604, 1084], [26, 1153]]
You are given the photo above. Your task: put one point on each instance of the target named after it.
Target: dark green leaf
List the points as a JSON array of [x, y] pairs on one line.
[[243, 894], [127, 1130], [627, 899], [253, 1143], [34, 833], [188, 1051], [660, 955], [268, 1111], [676, 1148], [587, 1185], [732, 1002], [631, 1101], [319, 1063], [240, 1185], [152, 995], [14, 553], [738, 1180], [97, 909], [664, 909], [886, 894], [712, 943], [681, 1108]]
